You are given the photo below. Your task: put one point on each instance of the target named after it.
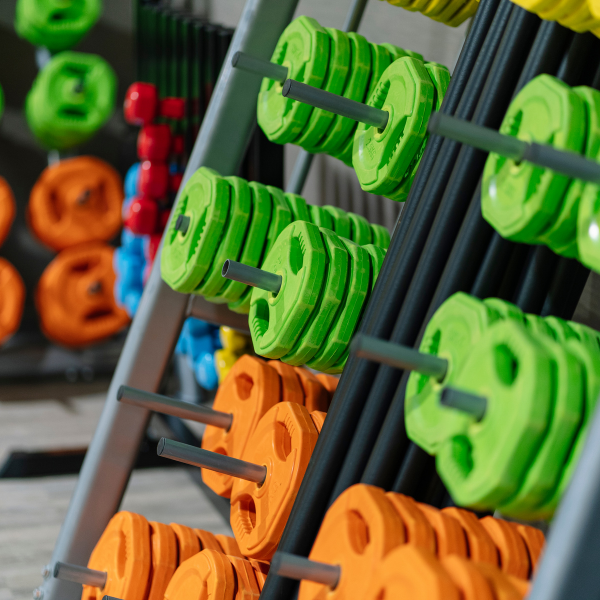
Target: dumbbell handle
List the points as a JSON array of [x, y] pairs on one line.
[[264, 280], [357, 111], [175, 408], [298, 567], [197, 457], [77, 574], [264, 68], [567, 163], [398, 356], [464, 401]]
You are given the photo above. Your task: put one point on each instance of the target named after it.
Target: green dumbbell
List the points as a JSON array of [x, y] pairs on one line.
[[72, 97], [381, 157], [483, 465], [277, 320], [521, 200], [195, 229], [55, 24], [588, 227], [451, 334], [304, 49]]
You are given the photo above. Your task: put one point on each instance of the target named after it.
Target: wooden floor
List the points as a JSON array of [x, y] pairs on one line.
[[32, 510]]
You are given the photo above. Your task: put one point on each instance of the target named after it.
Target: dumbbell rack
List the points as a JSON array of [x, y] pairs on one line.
[[361, 440]]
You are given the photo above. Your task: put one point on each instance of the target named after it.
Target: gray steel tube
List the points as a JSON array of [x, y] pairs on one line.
[[252, 276], [464, 401], [77, 574], [264, 68], [298, 567]]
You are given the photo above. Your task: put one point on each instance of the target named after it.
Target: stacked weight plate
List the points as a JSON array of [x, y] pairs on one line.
[[452, 13], [578, 15]]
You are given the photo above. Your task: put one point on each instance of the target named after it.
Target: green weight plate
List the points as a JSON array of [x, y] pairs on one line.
[[397, 52], [341, 222], [55, 24], [304, 49], [332, 294], [356, 87], [588, 336], [376, 256], [591, 365], [520, 200], [345, 154], [335, 82], [451, 333], [561, 236], [381, 59], [539, 326], [187, 257], [506, 310], [561, 330], [381, 236], [588, 227], [298, 206], [483, 465], [254, 247], [232, 240], [360, 229], [542, 476], [320, 217], [349, 312], [277, 320], [380, 158]]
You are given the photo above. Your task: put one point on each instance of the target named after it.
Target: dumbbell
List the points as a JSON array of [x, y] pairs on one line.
[[71, 98], [142, 105], [12, 300], [54, 24], [8, 209], [452, 13]]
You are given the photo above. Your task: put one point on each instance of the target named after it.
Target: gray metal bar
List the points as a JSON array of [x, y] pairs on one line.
[[354, 15], [78, 574], [300, 172], [264, 68], [175, 408], [464, 401], [110, 598], [258, 278], [357, 111], [197, 457], [398, 356], [217, 314], [298, 567], [221, 144]]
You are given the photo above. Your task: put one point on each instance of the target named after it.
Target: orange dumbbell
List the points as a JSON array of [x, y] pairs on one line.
[[12, 300], [76, 201], [8, 209], [74, 296]]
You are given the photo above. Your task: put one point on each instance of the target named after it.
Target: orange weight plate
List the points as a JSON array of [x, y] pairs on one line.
[[411, 572], [418, 530], [501, 583], [74, 296], [316, 397], [188, 543], [75, 202], [514, 559], [534, 541], [291, 390], [480, 545], [206, 575], [88, 593], [250, 389], [12, 300], [521, 585], [329, 382], [449, 535], [247, 586], [228, 545], [318, 418], [123, 552], [261, 570], [283, 441], [164, 559], [360, 528], [8, 209], [467, 578], [208, 541]]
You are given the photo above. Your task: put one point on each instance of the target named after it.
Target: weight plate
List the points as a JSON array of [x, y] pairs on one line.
[[261, 570], [449, 536], [360, 230], [163, 550], [580, 19], [329, 382], [349, 311], [358, 531], [74, 296], [246, 585], [228, 545], [561, 10], [318, 418], [123, 553], [468, 9], [8, 209], [534, 540], [504, 587], [466, 577], [381, 59], [341, 221], [304, 49], [298, 206], [283, 441], [435, 7], [291, 389], [332, 293], [562, 331], [520, 200], [207, 540], [277, 320], [483, 465], [380, 158], [320, 217], [419, 532], [376, 256], [316, 397], [187, 255], [506, 310], [12, 300], [55, 24], [588, 227], [538, 325], [342, 128], [335, 81], [381, 236], [455, 327], [188, 543], [512, 551], [76, 201]]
